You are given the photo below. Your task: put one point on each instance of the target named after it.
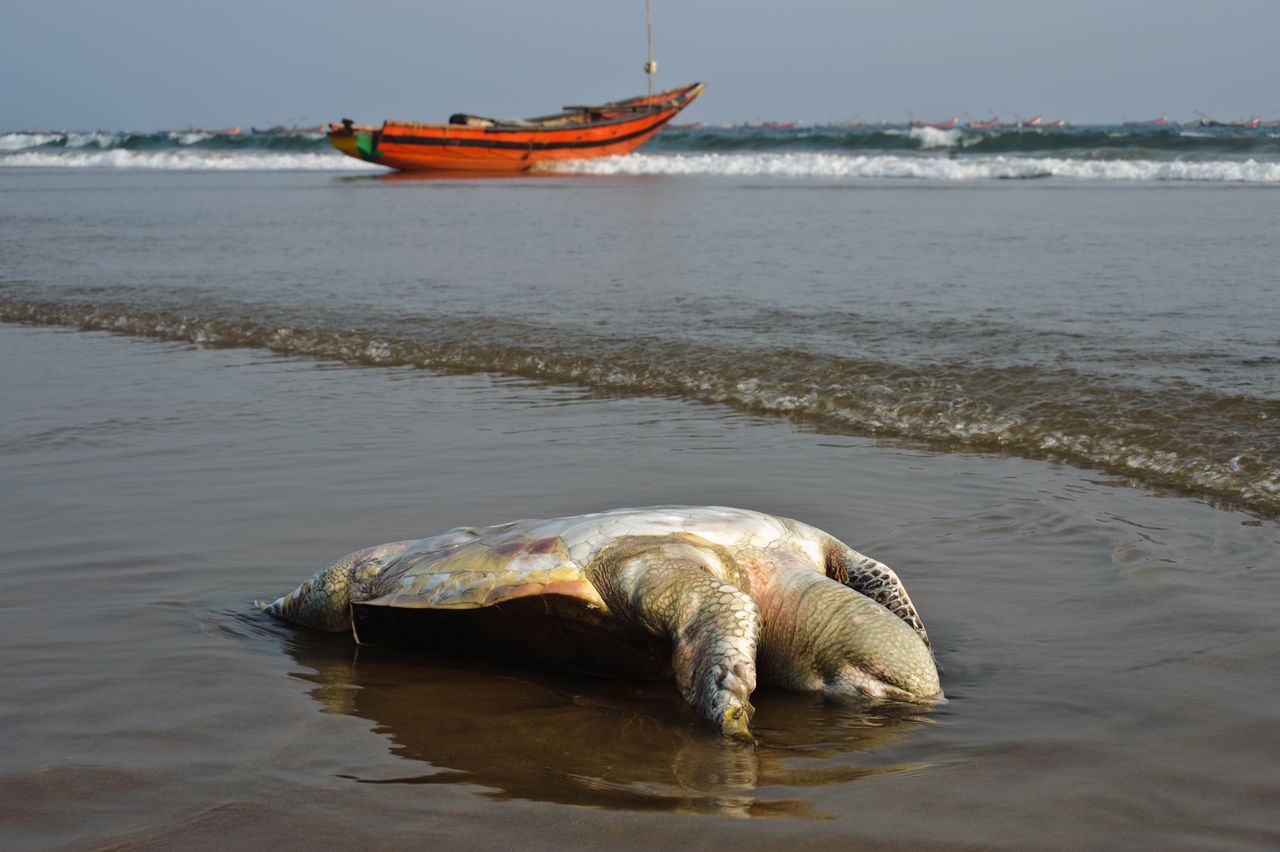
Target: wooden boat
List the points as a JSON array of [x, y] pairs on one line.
[[473, 143]]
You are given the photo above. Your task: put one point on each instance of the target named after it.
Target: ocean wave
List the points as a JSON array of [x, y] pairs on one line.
[[182, 160], [189, 137], [84, 140], [969, 168], [1091, 153], [22, 141], [932, 137], [199, 140], [1178, 436], [1106, 142], [107, 152]]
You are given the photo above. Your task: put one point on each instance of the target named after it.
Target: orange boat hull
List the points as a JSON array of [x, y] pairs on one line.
[[473, 144]]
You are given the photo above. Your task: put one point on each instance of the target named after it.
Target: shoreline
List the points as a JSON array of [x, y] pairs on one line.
[[1245, 481]]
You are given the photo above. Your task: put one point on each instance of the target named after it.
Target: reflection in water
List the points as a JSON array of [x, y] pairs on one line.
[[449, 176], [629, 745]]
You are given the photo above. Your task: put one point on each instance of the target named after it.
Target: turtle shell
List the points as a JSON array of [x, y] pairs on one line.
[[520, 591]]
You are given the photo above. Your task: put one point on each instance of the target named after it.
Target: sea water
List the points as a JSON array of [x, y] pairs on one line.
[[1051, 404], [1125, 324]]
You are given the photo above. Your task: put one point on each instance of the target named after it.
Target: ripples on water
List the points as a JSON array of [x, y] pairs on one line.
[[1181, 436], [1129, 329]]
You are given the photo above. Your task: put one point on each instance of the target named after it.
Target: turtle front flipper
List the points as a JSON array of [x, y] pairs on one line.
[[874, 579], [693, 594]]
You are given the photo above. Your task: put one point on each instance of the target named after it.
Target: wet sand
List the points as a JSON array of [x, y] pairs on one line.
[[1108, 651]]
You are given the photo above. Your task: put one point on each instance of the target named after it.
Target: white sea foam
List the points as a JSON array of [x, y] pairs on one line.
[[841, 166], [189, 137], [185, 161], [932, 137], [785, 165]]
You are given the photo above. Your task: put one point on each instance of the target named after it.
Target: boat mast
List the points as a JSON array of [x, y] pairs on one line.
[[649, 67]]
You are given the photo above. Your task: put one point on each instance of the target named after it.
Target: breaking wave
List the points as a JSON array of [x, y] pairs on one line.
[[816, 165], [1175, 435], [1220, 155], [180, 160]]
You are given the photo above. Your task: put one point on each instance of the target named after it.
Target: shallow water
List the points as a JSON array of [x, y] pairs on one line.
[[1132, 328], [1108, 650]]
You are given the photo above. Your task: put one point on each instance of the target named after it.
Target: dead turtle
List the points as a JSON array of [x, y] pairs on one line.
[[716, 596]]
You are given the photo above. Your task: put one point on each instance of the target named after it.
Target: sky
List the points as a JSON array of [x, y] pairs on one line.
[[168, 64]]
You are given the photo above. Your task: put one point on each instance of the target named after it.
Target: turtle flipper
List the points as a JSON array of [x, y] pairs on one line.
[[874, 579], [678, 590]]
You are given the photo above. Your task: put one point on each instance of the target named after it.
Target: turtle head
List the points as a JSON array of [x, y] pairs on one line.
[[872, 653], [823, 636]]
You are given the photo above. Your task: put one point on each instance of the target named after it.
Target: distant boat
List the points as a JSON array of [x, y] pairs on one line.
[[985, 124], [474, 143], [1246, 123], [949, 124], [1162, 121], [1056, 124]]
